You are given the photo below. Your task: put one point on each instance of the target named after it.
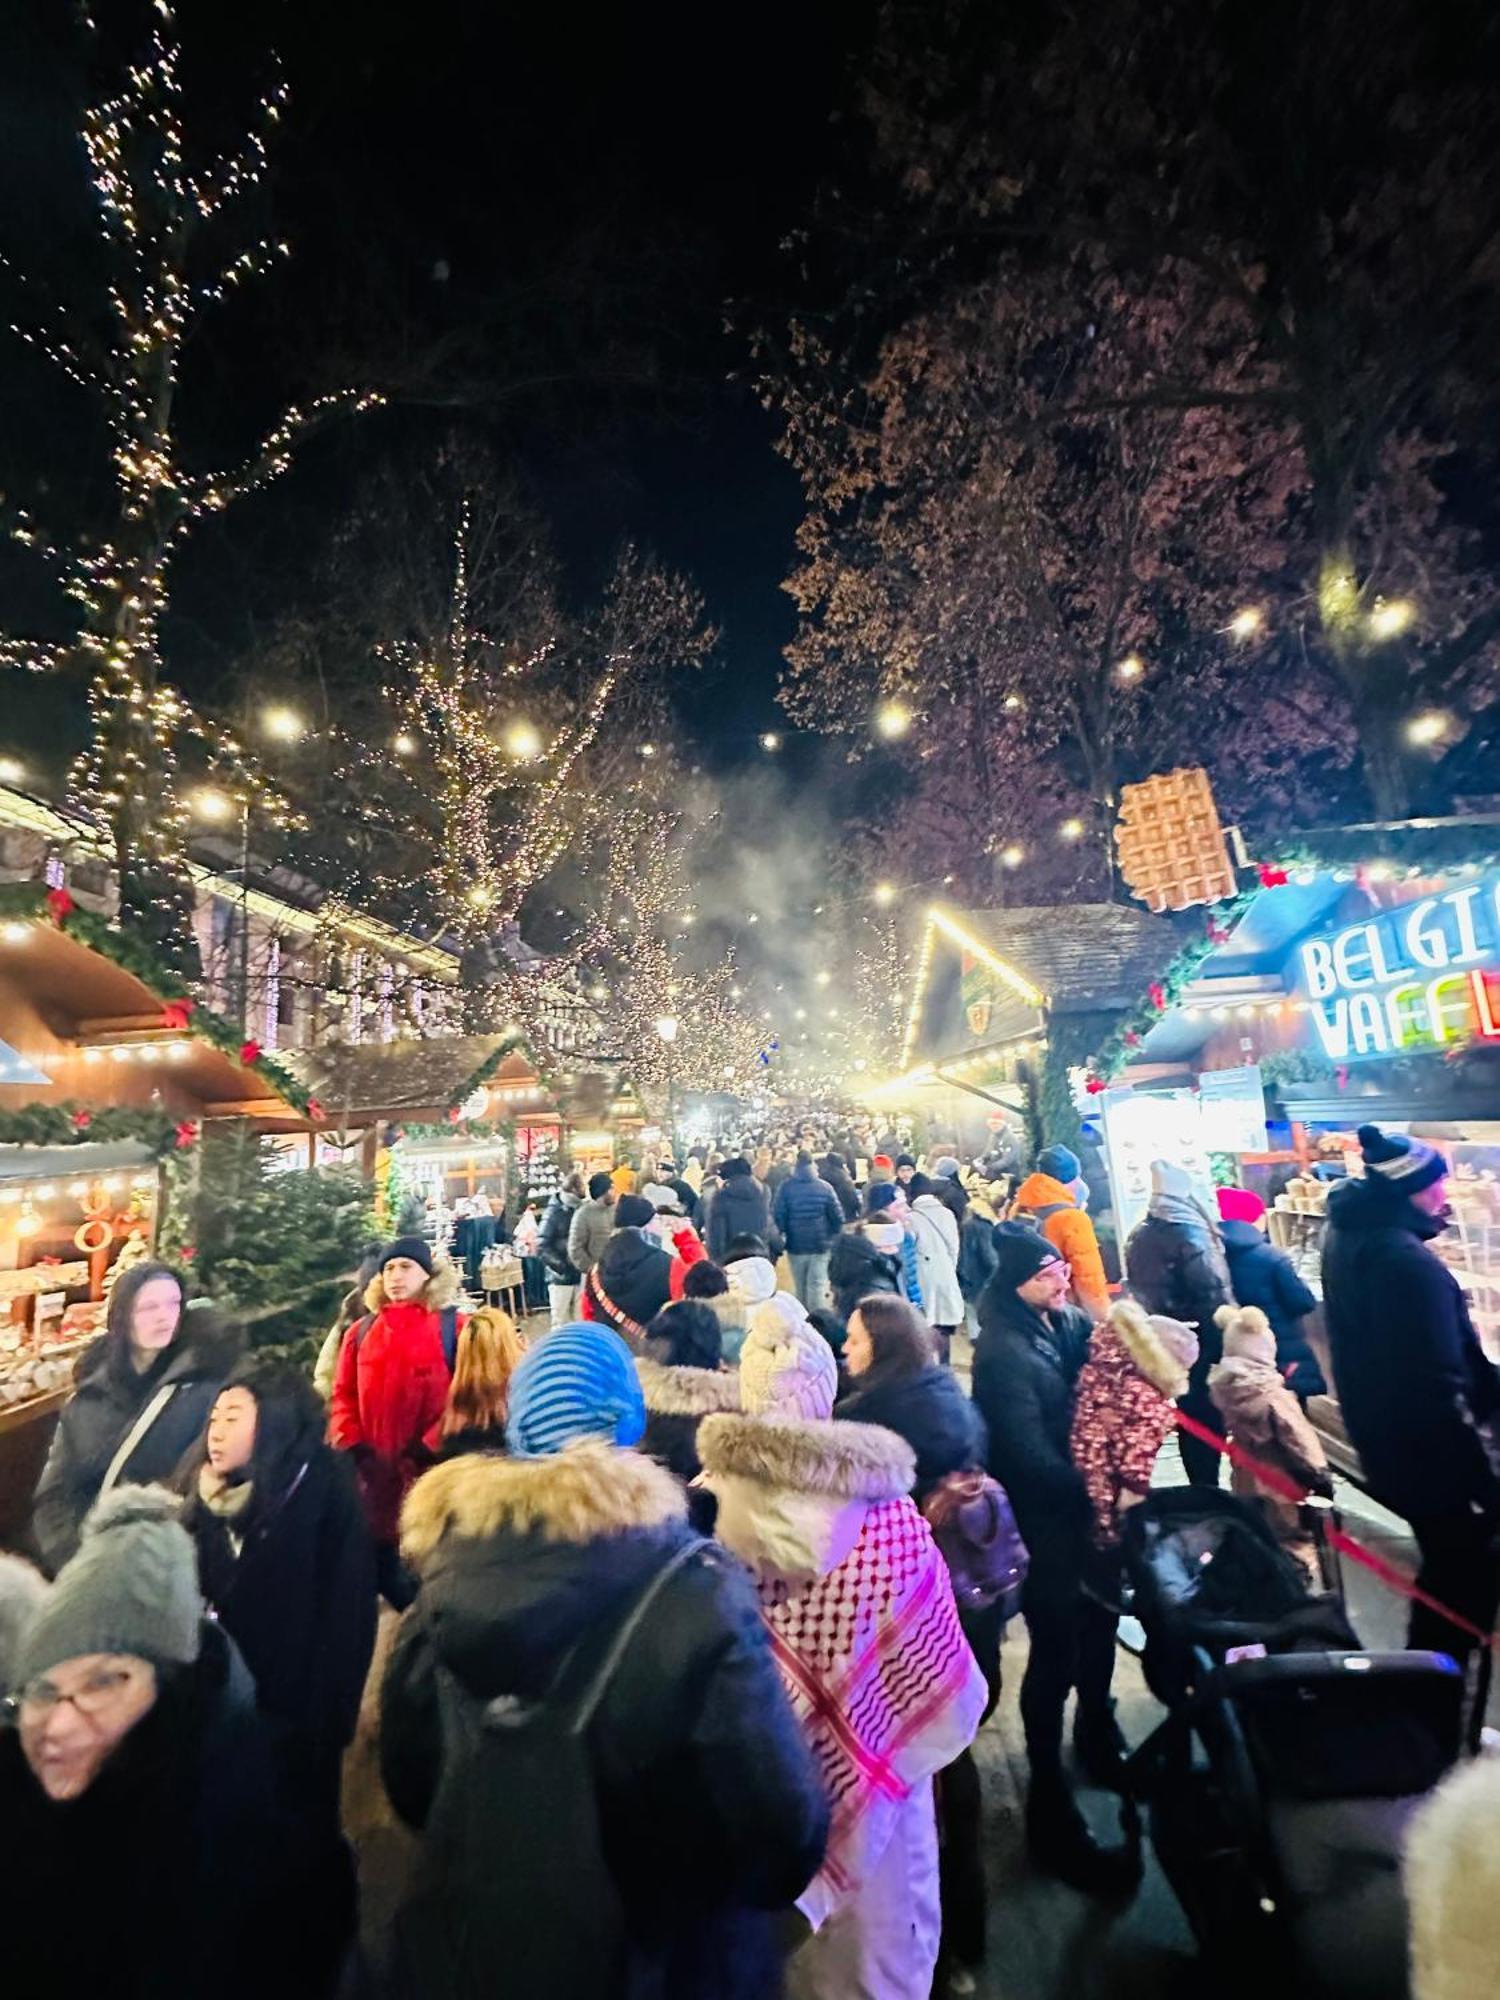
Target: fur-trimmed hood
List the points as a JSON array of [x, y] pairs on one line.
[[687, 1392], [521, 1558], [577, 1495], [793, 1496], [440, 1290], [1160, 1349], [1452, 1871]]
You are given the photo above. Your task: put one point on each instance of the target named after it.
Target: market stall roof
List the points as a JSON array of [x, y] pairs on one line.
[[364, 1082], [1081, 957], [81, 1162], [88, 1000]]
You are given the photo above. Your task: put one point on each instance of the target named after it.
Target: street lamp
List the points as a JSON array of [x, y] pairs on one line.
[[666, 1027]]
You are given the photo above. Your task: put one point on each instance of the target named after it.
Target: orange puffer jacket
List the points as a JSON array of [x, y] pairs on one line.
[[1071, 1235]]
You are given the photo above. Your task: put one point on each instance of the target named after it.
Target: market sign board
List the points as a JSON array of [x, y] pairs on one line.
[[1423, 976]]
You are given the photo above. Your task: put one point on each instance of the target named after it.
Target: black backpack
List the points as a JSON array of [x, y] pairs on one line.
[[513, 1892]]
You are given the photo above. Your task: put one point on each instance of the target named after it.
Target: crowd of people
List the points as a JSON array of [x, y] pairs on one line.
[[696, 1624]]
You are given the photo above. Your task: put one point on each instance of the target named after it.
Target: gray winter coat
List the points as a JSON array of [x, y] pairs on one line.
[[589, 1232]]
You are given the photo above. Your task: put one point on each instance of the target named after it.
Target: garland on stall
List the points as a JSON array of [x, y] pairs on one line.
[[181, 1012], [478, 1078], [75, 1125], [1164, 992]]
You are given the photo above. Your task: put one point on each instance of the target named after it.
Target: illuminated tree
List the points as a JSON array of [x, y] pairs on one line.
[[1327, 177], [173, 254]]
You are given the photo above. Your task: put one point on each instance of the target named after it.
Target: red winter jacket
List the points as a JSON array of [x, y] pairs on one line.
[[1120, 1421], [390, 1389]]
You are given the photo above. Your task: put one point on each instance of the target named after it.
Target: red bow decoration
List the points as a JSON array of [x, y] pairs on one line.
[[1094, 1085], [1156, 993], [1132, 1039], [454, 1115], [1271, 878], [175, 1013], [82, 1120], [61, 904], [1218, 933], [315, 1111], [187, 1134], [187, 1253], [250, 1052]]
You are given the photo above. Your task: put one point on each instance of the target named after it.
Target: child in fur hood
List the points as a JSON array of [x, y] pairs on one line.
[[1126, 1408], [1262, 1415]]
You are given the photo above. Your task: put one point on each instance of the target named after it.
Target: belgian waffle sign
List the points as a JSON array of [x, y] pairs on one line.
[[1172, 849]]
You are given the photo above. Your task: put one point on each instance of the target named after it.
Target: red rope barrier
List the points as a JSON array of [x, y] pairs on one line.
[[1389, 1573]]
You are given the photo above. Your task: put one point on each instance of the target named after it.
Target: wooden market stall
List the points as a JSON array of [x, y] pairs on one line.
[[101, 1082]]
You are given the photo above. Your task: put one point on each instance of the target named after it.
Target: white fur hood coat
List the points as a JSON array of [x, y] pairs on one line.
[[793, 1496]]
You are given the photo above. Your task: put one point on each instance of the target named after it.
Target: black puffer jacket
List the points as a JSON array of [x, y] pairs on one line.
[[110, 1396], [932, 1413], [552, 1240], [1414, 1387], [740, 1207], [176, 1872], [709, 1804], [1026, 1368], [299, 1598], [1176, 1266], [856, 1269], [836, 1174], [631, 1282], [1261, 1275]]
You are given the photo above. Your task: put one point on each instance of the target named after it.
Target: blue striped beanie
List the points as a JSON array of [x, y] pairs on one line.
[[579, 1382]]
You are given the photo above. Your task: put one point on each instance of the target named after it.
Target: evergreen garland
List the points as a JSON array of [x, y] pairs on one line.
[[75, 1125]]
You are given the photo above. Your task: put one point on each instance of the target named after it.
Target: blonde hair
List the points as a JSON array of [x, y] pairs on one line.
[[489, 1348]]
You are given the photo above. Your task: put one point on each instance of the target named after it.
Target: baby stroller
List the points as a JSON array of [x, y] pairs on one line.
[[1279, 1785]]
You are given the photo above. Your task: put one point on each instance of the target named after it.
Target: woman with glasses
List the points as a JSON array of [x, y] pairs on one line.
[[142, 1849]]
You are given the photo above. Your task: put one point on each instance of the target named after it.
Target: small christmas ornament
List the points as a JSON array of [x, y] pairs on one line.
[[61, 904], [1271, 878], [1156, 993], [82, 1120], [175, 1013], [1094, 1085], [1132, 1038], [250, 1052], [1217, 933], [315, 1111], [187, 1134]]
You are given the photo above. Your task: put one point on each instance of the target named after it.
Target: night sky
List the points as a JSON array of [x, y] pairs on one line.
[[557, 199]]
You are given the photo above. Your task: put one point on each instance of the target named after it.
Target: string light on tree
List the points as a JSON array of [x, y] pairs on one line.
[[158, 219], [892, 720], [1248, 623], [1130, 669], [1391, 617], [1428, 728], [1071, 829]]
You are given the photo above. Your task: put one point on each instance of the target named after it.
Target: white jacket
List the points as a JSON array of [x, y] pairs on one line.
[[936, 1234]]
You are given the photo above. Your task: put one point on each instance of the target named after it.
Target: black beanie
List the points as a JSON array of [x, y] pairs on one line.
[[417, 1248], [734, 1167], [1020, 1253], [633, 1211]]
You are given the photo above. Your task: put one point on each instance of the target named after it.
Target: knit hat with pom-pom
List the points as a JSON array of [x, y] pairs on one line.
[[1399, 1162], [1247, 1334], [131, 1588], [787, 1369]]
